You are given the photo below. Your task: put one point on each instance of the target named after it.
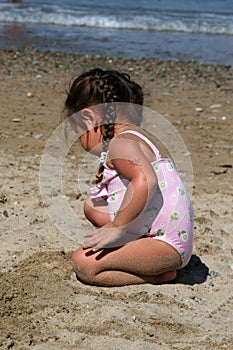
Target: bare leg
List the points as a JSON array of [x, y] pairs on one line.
[[145, 260], [96, 212]]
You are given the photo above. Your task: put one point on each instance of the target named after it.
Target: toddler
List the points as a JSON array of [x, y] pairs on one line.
[[141, 212]]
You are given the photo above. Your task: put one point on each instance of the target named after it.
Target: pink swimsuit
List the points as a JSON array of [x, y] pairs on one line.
[[167, 217]]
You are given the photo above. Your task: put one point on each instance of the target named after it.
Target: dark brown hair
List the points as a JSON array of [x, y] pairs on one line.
[[105, 87]]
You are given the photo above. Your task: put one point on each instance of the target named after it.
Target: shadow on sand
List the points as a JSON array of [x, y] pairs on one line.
[[195, 272]]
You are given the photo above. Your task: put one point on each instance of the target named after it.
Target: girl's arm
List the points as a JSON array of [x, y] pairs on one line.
[[129, 160]]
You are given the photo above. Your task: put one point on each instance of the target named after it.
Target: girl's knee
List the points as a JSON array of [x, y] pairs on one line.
[[83, 267], [77, 259], [96, 212]]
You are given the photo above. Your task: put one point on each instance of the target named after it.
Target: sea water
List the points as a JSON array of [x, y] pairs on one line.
[[165, 29]]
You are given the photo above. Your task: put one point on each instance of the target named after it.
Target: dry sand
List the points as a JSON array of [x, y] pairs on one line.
[[42, 305]]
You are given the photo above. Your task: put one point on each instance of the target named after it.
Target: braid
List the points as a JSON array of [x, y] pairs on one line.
[[109, 97], [109, 111], [105, 87]]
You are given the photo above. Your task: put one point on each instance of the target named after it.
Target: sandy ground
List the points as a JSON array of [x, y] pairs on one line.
[[42, 305]]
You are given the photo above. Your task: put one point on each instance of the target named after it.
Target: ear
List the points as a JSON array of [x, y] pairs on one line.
[[90, 118]]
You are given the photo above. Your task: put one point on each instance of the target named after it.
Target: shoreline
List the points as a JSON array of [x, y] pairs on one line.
[[26, 49], [211, 48], [42, 305]]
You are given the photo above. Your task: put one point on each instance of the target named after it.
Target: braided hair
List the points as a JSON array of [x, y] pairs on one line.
[[104, 87]]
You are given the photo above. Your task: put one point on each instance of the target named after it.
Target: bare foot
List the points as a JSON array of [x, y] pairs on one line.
[[164, 277]]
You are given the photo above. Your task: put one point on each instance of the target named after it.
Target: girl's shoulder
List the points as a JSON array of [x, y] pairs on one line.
[[146, 139], [133, 141]]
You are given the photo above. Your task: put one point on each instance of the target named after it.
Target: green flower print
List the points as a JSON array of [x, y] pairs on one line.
[[156, 167], [182, 255], [115, 213], [113, 196], [174, 216], [183, 234], [163, 184], [169, 167], [182, 192], [159, 233]]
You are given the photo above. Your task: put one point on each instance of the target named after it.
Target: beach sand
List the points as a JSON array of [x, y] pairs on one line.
[[42, 305]]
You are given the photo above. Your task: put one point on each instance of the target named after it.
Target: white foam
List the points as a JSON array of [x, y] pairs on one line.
[[174, 22]]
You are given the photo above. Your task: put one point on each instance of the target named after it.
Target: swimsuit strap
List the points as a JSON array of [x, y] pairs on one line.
[[144, 138]]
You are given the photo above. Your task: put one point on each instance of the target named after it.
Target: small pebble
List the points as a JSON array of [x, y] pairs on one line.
[[197, 298], [213, 273], [199, 109], [143, 292], [3, 197], [65, 197], [5, 213], [167, 94], [37, 136], [217, 105]]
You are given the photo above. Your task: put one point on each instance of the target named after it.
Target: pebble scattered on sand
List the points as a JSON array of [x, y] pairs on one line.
[[217, 105], [43, 62], [213, 273], [3, 197], [5, 213]]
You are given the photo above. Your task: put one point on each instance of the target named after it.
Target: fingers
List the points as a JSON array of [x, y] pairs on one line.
[[88, 244], [95, 249], [92, 241]]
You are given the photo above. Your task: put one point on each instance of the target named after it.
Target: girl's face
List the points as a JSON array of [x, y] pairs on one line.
[[87, 126], [91, 141]]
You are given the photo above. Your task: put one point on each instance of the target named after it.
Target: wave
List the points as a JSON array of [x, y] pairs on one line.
[[174, 21]]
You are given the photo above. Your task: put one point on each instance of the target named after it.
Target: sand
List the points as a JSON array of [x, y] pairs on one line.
[[42, 305]]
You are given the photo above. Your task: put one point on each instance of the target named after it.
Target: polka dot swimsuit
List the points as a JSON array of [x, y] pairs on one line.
[[168, 216]]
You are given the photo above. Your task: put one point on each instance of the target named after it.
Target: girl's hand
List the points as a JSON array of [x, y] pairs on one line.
[[108, 236]]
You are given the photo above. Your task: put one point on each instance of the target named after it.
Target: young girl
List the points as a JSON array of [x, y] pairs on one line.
[[139, 206]]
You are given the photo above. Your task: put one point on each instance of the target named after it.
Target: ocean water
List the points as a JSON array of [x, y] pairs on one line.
[[166, 29]]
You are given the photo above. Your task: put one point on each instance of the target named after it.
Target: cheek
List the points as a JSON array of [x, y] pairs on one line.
[[83, 141], [91, 142]]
